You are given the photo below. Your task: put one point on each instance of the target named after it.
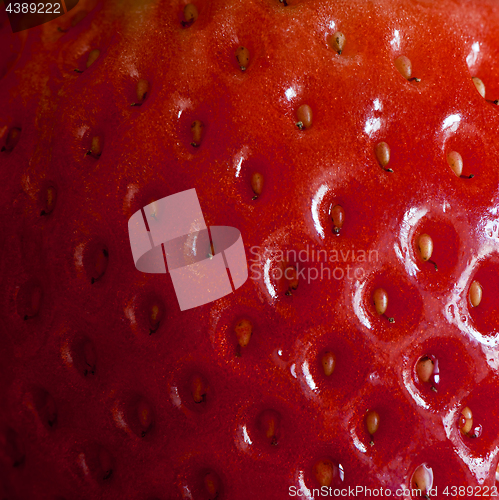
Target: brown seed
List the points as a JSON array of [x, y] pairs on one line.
[[242, 56], [190, 14], [475, 293], [422, 478], [382, 151], [380, 299], [337, 41], [425, 246], [455, 161], [404, 66], [244, 329], [324, 472], [338, 217], [328, 363], [479, 85], [466, 420], [154, 318], [372, 421], [197, 128], [92, 57], [424, 368], [257, 184], [304, 117], [96, 147], [199, 388], [142, 89]]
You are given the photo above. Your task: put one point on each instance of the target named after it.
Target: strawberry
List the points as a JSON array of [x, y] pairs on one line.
[[354, 147]]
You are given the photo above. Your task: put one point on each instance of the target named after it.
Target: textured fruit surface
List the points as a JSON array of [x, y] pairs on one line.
[[367, 176]]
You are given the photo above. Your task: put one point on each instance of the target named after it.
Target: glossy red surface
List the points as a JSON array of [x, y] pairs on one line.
[[108, 391]]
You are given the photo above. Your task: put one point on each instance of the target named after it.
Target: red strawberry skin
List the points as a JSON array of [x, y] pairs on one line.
[[109, 391]]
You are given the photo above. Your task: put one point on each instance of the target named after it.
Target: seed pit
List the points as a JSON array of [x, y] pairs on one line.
[[45, 407], [12, 139], [29, 300]]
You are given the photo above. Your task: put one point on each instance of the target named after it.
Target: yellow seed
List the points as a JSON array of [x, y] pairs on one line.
[[424, 368], [455, 161], [404, 66], [324, 472], [337, 41], [142, 89], [475, 293], [244, 329], [422, 478], [383, 153], [96, 147], [190, 13], [380, 299], [479, 85], [328, 363], [304, 117], [257, 183], [372, 421], [338, 217], [92, 57], [466, 420], [197, 132], [425, 246], [242, 56]]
